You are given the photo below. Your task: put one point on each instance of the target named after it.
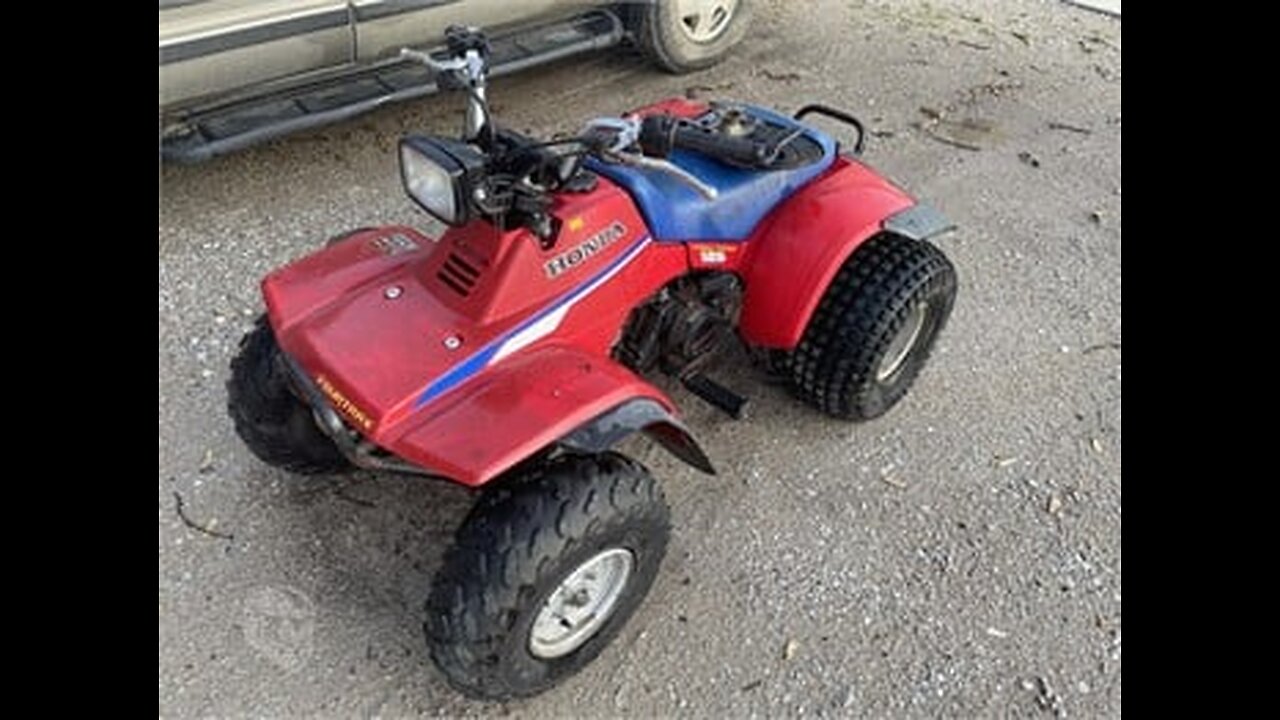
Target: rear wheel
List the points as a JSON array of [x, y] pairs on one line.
[[544, 572], [277, 426], [874, 328], [687, 35]]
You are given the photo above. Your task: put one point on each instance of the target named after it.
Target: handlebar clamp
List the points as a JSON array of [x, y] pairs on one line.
[[461, 39]]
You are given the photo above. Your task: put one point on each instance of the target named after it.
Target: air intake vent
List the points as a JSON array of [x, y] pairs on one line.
[[458, 274]]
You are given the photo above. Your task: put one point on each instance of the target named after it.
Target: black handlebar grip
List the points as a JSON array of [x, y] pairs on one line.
[[660, 134]]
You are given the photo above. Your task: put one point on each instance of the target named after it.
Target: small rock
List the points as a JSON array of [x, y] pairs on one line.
[[997, 633], [1054, 505], [850, 697], [1029, 159], [1096, 217], [889, 479], [1047, 699], [1096, 444], [790, 649]]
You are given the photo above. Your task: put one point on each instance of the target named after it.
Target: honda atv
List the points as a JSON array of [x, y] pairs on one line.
[[506, 345]]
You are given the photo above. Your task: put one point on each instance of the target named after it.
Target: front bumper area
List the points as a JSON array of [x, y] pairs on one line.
[[354, 446]]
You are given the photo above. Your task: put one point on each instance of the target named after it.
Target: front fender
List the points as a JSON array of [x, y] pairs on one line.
[[526, 403], [795, 254], [644, 415]]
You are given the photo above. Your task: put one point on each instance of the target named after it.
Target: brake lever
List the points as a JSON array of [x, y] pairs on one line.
[[668, 167], [453, 64], [625, 131], [626, 134]]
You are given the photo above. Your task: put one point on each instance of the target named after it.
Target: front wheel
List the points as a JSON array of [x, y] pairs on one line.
[[874, 327], [278, 427], [687, 35], [544, 572]]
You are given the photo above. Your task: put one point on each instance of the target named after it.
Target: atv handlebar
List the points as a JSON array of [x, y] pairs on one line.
[[466, 67]]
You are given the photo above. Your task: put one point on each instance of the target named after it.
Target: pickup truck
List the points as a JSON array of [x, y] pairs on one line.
[[237, 72]]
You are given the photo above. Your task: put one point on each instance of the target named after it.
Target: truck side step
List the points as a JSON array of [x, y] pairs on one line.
[[204, 132], [716, 394]]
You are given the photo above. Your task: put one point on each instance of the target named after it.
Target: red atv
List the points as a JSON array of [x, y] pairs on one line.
[[508, 350]]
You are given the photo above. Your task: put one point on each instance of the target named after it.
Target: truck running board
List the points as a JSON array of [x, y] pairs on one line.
[[203, 132]]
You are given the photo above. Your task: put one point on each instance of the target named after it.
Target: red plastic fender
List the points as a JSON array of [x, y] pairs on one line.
[[797, 251], [522, 405]]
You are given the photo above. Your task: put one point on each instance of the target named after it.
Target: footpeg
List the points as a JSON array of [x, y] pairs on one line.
[[716, 394]]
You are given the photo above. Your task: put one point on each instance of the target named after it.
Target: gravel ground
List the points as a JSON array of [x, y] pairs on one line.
[[959, 557]]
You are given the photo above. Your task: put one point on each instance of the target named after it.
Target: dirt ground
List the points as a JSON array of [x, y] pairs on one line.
[[958, 557]]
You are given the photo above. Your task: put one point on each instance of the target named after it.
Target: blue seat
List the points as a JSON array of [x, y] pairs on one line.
[[675, 212]]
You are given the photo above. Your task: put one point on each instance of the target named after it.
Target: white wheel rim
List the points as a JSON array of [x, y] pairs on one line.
[[902, 343], [581, 604], [704, 20]]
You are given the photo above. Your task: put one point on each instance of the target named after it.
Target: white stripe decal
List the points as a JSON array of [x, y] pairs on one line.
[[548, 323]]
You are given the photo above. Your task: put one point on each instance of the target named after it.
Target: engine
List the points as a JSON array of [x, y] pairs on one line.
[[682, 327]]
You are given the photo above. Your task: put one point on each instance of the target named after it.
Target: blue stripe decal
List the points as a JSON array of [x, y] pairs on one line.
[[459, 373], [455, 375]]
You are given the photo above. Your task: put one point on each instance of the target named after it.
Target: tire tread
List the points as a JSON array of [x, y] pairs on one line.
[[833, 368]]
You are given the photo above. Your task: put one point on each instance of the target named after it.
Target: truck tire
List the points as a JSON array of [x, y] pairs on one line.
[[686, 35]]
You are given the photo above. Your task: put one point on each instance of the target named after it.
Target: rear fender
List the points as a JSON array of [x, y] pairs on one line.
[[530, 401], [797, 251]]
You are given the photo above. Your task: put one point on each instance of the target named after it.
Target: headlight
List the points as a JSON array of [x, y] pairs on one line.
[[436, 173]]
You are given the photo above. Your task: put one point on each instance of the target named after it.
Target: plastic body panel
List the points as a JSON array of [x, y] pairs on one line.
[[793, 255], [516, 408], [370, 320]]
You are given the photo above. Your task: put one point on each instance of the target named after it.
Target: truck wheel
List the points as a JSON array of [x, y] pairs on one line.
[[686, 35], [544, 572], [874, 327], [272, 421]]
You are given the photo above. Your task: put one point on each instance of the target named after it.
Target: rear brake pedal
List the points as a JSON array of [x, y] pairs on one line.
[[716, 394]]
